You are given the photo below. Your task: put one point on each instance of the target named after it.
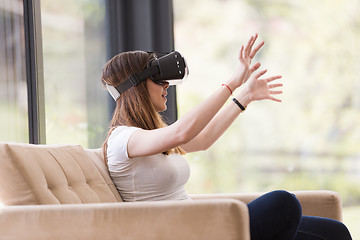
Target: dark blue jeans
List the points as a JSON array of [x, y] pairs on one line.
[[277, 215]]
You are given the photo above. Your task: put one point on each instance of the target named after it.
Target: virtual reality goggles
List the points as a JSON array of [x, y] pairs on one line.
[[170, 67]]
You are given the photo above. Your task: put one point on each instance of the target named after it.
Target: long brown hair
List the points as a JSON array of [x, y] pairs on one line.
[[133, 107]]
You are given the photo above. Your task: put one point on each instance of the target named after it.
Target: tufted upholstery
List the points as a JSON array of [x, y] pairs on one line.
[[57, 174]]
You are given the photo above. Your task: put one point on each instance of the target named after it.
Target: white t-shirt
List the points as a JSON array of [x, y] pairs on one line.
[[149, 178]]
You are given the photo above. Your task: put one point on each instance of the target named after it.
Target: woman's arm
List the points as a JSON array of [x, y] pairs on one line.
[[149, 142], [254, 89]]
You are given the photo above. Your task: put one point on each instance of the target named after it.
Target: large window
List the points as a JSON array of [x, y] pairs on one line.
[[52, 54], [74, 48], [58, 60], [13, 87], [309, 141]]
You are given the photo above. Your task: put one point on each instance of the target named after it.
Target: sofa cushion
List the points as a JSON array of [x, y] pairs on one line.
[[52, 174], [97, 157]]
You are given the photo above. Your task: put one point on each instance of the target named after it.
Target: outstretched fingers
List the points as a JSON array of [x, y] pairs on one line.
[[274, 99], [271, 86], [241, 58], [256, 49], [248, 46], [275, 85], [270, 79], [252, 44], [247, 52], [259, 74], [275, 92], [255, 67]]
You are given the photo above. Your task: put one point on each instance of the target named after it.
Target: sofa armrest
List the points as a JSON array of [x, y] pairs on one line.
[[203, 219], [319, 203]]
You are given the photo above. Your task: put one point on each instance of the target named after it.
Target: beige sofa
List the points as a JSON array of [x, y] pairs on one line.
[[65, 192]]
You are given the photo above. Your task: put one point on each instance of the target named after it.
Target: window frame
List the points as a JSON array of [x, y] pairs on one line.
[[34, 71]]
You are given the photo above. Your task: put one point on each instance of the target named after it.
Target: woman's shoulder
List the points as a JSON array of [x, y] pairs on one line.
[[118, 140], [123, 128], [122, 133]]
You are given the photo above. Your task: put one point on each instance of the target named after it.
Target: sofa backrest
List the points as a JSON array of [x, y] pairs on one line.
[[53, 174]]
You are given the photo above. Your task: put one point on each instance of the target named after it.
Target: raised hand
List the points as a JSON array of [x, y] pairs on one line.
[[245, 57], [260, 88]]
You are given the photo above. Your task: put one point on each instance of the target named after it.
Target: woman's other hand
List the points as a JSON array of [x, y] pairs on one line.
[[261, 88]]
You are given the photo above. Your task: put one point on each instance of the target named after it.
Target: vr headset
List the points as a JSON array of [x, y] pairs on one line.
[[170, 67]]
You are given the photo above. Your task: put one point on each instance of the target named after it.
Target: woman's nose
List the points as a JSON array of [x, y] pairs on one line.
[[166, 85]]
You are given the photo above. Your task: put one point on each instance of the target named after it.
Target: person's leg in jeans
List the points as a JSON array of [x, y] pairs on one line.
[[275, 215], [318, 228]]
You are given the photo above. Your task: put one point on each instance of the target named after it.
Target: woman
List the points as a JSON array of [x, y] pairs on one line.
[[144, 155]]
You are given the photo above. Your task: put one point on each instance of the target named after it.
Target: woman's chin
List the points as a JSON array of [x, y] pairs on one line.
[[162, 109]]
